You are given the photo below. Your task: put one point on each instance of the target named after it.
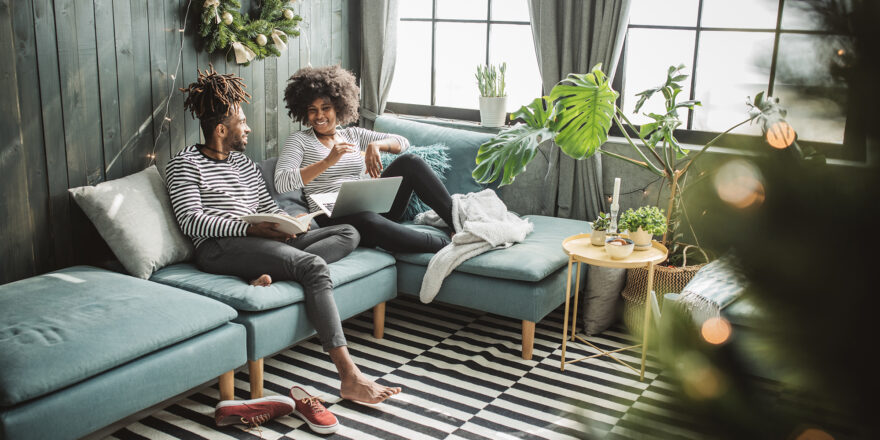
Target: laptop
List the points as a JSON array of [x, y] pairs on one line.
[[376, 195]]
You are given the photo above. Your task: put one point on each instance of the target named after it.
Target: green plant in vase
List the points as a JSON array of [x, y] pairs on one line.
[[599, 226], [578, 115], [492, 83], [642, 224]]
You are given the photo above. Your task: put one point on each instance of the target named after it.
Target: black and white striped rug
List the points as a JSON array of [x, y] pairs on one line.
[[462, 378]]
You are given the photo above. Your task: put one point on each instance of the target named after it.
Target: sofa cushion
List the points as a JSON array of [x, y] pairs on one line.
[[532, 260], [463, 146], [237, 293], [60, 328], [134, 216]]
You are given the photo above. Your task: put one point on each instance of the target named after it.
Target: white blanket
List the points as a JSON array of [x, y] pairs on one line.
[[481, 222]]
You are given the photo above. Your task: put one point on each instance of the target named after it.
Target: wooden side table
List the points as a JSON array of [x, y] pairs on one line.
[[579, 251]]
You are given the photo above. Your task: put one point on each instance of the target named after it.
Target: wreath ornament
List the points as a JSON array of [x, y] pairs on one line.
[[224, 27]]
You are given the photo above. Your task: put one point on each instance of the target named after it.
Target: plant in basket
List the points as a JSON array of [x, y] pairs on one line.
[[600, 225], [643, 224]]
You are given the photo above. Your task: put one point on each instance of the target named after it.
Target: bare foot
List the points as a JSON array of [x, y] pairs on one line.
[[361, 389], [263, 281]]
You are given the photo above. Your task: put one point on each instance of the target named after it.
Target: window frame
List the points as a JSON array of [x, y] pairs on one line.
[[854, 140], [433, 110]]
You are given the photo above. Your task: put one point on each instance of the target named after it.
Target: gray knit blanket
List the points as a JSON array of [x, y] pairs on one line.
[[481, 222]]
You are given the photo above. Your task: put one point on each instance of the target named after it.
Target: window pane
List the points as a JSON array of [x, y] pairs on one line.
[[513, 43], [460, 48], [665, 13], [731, 67], [463, 9], [798, 15], [649, 53], [412, 73], [510, 10], [816, 102], [748, 14], [415, 8]]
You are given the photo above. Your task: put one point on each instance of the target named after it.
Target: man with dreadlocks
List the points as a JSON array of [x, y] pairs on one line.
[[211, 186]]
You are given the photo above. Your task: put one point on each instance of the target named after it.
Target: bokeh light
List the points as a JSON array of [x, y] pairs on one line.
[[780, 134], [716, 330], [814, 434], [700, 379], [739, 183]]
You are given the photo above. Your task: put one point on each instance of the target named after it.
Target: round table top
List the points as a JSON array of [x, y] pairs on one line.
[[579, 247]]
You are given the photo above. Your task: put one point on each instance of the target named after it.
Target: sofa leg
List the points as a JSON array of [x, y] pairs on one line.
[[255, 368], [379, 320], [227, 385], [528, 339]]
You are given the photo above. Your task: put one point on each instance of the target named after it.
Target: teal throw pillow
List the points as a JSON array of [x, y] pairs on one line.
[[436, 157]]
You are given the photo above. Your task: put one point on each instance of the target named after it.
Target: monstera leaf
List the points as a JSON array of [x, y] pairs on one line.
[[507, 154], [585, 105]]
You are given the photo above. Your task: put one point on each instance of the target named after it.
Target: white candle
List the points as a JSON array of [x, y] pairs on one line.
[[616, 191]]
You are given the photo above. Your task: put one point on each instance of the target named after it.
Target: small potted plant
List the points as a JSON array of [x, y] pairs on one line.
[[642, 224], [493, 94], [600, 225]]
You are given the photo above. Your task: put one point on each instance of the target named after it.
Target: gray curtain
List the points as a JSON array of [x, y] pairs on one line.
[[378, 56], [571, 36]]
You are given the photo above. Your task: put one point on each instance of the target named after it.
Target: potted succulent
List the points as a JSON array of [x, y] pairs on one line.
[[600, 225], [493, 94], [642, 224]]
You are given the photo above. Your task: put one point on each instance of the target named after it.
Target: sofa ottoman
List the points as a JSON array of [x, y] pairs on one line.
[[275, 316], [84, 347]]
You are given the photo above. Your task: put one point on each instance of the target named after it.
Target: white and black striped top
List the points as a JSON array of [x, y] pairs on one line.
[[209, 196], [303, 149]]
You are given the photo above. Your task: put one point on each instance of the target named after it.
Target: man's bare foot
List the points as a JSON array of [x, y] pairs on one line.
[[361, 389], [263, 281]]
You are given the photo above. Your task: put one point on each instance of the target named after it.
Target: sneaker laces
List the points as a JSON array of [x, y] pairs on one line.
[[254, 422], [315, 403]]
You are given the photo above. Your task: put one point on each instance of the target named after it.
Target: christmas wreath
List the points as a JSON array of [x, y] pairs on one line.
[[224, 27]]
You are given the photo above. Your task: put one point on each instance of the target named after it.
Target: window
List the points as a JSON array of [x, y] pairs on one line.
[[440, 44], [734, 50]]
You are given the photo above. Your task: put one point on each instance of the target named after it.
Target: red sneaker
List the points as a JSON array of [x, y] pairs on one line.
[[312, 411], [252, 412]]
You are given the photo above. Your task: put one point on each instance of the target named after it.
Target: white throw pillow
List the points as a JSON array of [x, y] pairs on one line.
[[134, 216]]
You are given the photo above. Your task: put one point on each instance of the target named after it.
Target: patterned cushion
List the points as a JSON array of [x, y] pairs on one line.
[[714, 287]]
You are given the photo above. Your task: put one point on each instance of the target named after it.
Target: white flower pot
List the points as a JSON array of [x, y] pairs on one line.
[[597, 238], [641, 238], [493, 111]]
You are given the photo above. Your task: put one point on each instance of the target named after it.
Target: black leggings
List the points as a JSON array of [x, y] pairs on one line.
[[382, 230]]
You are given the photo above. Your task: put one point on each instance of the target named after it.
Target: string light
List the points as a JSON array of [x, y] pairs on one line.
[[643, 190]]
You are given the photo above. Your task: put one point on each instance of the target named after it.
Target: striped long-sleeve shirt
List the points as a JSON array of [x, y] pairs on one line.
[[303, 149], [209, 196]]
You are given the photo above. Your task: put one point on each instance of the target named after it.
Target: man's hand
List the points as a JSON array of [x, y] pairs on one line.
[[373, 161], [338, 151], [268, 230]]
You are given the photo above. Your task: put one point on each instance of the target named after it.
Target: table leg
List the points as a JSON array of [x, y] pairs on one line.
[[646, 328], [577, 289], [565, 316]]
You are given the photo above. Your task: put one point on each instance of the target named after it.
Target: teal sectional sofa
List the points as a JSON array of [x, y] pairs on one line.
[[84, 347]]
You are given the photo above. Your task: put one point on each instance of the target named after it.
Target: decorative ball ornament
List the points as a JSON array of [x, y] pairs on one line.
[[227, 18], [288, 14], [247, 36], [261, 39], [780, 134]]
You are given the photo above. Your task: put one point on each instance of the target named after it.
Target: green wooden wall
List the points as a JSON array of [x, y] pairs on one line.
[[83, 88]]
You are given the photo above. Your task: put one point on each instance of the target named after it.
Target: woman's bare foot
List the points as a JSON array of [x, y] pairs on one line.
[[263, 281], [361, 389]]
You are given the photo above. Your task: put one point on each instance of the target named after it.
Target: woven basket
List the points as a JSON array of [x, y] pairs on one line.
[[667, 279]]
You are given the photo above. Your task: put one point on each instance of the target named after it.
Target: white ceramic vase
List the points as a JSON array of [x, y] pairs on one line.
[[641, 238], [493, 111], [597, 238]]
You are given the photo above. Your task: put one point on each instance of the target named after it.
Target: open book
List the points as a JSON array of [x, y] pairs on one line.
[[286, 223]]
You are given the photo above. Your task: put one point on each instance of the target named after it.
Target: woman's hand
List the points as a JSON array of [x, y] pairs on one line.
[[373, 161], [338, 151]]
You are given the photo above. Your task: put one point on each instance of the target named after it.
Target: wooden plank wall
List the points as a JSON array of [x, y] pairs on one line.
[[83, 102]]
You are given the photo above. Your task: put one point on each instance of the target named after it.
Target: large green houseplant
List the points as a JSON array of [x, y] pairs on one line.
[[578, 115]]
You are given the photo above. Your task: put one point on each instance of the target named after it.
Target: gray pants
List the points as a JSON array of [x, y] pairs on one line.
[[303, 259]]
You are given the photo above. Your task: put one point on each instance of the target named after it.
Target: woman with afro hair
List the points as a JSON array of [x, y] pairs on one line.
[[323, 156]]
